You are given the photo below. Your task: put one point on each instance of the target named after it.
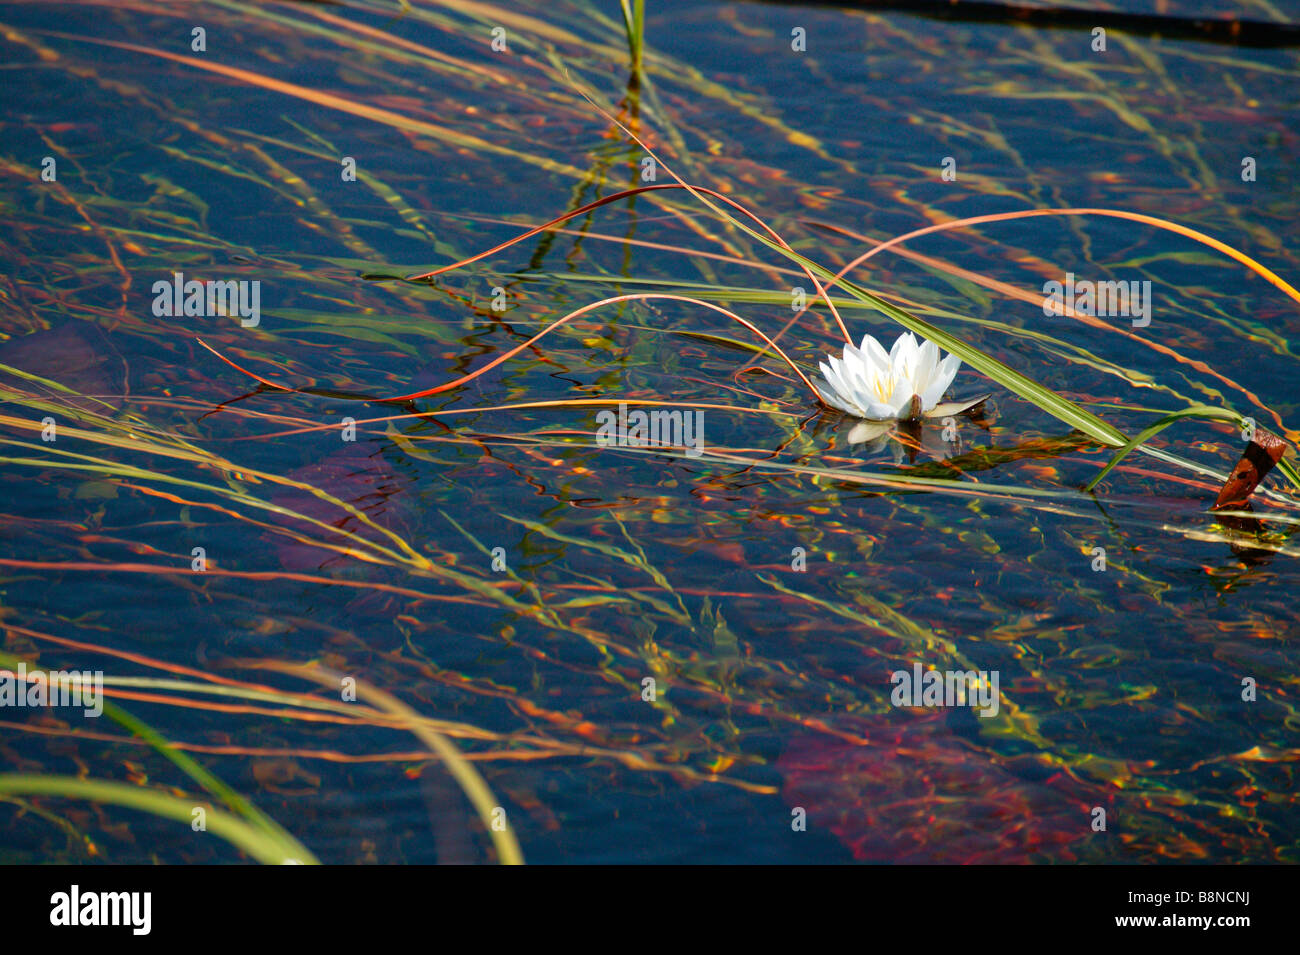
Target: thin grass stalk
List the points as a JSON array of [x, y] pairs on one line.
[[1021, 384], [252, 840], [506, 356], [471, 782], [634, 25]]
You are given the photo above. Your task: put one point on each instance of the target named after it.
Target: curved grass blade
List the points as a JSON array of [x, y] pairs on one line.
[[474, 786], [1258, 268], [1205, 412], [1024, 386], [263, 846], [185, 763], [506, 356]]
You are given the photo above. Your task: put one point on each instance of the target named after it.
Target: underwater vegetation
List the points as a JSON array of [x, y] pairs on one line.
[[454, 432]]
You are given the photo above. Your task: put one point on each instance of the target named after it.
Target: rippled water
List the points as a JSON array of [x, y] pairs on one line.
[[498, 569]]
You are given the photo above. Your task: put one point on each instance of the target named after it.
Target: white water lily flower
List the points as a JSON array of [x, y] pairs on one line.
[[903, 385]]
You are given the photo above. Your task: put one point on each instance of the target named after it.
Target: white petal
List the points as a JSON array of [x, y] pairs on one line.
[[834, 400], [909, 361], [852, 356], [866, 371], [932, 395], [949, 367], [943, 377], [954, 407], [900, 397], [826, 373], [873, 350], [929, 362], [850, 378], [861, 373], [899, 344], [831, 371], [868, 431], [832, 377], [869, 384], [857, 357], [848, 396]]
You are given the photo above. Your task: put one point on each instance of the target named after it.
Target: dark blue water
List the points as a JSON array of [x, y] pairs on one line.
[[1121, 688]]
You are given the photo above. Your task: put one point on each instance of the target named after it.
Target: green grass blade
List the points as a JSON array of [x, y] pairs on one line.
[[1024, 386], [257, 843], [1198, 411], [462, 770], [1021, 384], [186, 764], [182, 760]]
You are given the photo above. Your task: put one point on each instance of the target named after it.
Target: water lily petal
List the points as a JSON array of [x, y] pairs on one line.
[[844, 377], [868, 383], [943, 377], [933, 394], [900, 397], [860, 366], [829, 396], [878, 411], [868, 431], [852, 384], [910, 360], [873, 350], [904, 341], [928, 364], [830, 371], [867, 380], [955, 407]]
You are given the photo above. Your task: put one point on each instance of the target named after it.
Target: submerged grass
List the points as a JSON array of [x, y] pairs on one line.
[[634, 24], [1026, 388], [489, 810], [246, 827], [257, 843], [653, 577]]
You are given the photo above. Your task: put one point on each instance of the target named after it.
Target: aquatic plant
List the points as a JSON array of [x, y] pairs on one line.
[[608, 594], [634, 24], [903, 384]]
